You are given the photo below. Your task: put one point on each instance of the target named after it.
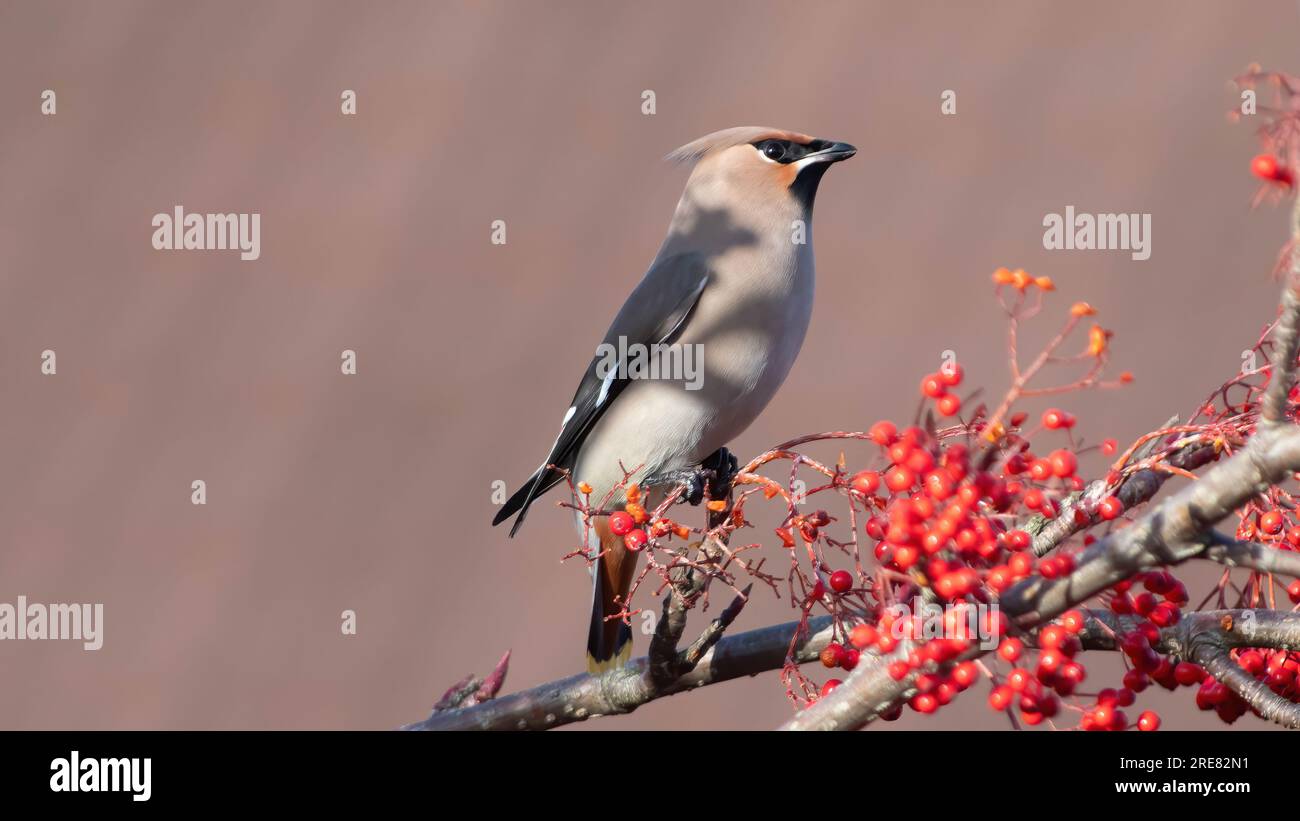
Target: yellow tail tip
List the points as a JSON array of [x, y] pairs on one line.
[[621, 658]]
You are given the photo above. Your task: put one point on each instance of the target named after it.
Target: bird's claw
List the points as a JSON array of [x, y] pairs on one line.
[[722, 468], [714, 475], [691, 481]]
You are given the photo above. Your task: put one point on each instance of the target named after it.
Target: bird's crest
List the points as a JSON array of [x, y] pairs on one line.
[[728, 137]]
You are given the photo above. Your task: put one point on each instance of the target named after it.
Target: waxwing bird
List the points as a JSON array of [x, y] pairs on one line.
[[733, 282]]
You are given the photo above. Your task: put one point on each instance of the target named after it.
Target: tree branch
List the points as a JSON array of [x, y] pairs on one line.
[[1206, 638], [581, 697], [1259, 557], [1079, 511], [1286, 336]]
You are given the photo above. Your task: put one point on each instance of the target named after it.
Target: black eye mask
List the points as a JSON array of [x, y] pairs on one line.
[[785, 151]]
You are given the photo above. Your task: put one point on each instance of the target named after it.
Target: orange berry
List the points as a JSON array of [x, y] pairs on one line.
[[637, 512], [1098, 338]]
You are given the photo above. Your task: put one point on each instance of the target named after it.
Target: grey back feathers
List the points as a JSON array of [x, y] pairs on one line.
[[654, 314]]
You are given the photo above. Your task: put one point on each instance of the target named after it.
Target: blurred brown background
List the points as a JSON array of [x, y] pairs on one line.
[[372, 492]]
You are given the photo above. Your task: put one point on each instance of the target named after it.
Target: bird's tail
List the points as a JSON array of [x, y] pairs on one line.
[[609, 640], [537, 484]]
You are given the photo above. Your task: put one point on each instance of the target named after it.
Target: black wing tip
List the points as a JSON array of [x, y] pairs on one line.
[[509, 510], [535, 486]]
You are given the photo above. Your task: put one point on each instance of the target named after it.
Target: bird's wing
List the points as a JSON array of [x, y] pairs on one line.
[[655, 313]]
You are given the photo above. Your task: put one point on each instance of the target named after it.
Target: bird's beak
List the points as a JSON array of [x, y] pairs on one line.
[[833, 153]]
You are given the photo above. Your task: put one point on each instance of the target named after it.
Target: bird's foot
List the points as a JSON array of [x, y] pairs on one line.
[[714, 475], [722, 467], [690, 480]]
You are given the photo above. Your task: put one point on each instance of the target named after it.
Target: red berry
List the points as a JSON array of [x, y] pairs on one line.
[[905, 556], [1053, 636], [620, 523], [1010, 649], [948, 405], [1188, 674], [830, 685], [1136, 681], [965, 674], [1018, 540], [1267, 167], [850, 658], [950, 374], [1001, 697], [1149, 721], [932, 386], [1055, 419], [1073, 621], [1049, 661], [1166, 614], [1144, 603], [1271, 522], [883, 433], [863, 636], [1019, 679], [1021, 564], [920, 461], [1073, 672], [1064, 463], [925, 703], [634, 540], [865, 482], [841, 581], [1110, 508], [899, 479], [832, 655], [939, 484], [1293, 591]]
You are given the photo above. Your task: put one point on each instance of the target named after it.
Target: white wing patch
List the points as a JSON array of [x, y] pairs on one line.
[[604, 387], [563, 424]]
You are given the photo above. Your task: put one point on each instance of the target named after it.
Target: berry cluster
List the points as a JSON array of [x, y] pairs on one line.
[[951, 516], [628, 521]]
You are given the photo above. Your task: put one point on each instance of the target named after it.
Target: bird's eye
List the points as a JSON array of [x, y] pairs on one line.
[[773, 149]]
